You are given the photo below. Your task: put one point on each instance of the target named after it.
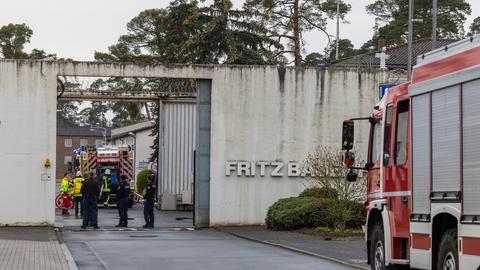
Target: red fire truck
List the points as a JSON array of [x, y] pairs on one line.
[[116, 160], [423, 169]]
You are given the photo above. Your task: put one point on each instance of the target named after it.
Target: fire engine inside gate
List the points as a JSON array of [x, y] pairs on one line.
[[108, 159]]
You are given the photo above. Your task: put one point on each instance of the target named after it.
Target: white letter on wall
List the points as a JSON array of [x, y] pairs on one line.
[[243, 167], [276, 172], [294, 169], [253, 169], [307, 171], [262, 165], [229, 167]]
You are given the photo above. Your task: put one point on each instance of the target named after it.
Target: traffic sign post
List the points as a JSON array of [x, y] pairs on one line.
[[383, 89]]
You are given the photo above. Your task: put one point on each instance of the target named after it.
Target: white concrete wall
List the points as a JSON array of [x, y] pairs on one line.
[[258, 113], [27, 138]]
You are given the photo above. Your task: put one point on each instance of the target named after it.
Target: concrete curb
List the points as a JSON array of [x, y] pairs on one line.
[[68, 255], [66, 252], [301, 251]]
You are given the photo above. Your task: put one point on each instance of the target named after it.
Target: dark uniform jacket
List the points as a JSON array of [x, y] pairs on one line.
[[151, 188], [123, 190], [90, 189]]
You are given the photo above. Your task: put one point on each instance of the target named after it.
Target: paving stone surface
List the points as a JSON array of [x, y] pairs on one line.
[[26, 248]]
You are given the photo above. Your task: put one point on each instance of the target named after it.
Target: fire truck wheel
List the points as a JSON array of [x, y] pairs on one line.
[[377, 248], [448, 251]]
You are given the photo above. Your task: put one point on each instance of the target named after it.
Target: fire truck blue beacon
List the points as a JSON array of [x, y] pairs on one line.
[[267, 168]]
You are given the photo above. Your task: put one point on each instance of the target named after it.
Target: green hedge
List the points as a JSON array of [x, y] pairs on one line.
[[310, 212], [297, 212], [319, 192], [358, 217], [142, 178]]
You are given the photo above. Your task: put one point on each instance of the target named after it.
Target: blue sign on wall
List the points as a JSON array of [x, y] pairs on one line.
[[383, 89]]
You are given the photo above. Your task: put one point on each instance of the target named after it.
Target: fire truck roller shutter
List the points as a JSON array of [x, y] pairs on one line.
[[471, 149], [446, 139], [421, 153]]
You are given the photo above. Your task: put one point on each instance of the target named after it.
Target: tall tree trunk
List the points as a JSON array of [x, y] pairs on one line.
[[296, 34], [147, 110]]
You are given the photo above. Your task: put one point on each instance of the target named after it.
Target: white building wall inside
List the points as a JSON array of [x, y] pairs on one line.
[[143, 141], [258, 113], [143, 151]]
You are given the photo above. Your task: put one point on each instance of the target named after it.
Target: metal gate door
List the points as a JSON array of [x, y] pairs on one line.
[[177, 136]]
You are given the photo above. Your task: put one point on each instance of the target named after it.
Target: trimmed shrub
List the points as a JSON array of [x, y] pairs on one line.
[[142, 178], [357, 218], [323, 230], [319, 192], [297, 212], [311, 212]]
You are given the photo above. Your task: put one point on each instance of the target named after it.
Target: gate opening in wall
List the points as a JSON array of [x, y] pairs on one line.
[[118, 121]]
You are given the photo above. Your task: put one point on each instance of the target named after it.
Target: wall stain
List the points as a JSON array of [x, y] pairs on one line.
[[359, 80], [41, 69], [281, 77], [322, 86]]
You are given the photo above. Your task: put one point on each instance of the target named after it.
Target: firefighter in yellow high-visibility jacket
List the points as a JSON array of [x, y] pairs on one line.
[[77, 195], [106, 185], [65, 190]]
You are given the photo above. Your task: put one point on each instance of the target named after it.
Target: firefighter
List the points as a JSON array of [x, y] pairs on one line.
[[77, 195], [65, 190], [90, 191], [149, 201], [123, 192], [106, 183]]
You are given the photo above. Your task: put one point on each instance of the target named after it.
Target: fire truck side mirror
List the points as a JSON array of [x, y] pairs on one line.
[[347, 135], [349, 159], [352, 176]]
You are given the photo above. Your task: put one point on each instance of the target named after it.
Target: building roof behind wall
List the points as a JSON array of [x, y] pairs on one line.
[[123, 131], [81, 132], [398, 56]]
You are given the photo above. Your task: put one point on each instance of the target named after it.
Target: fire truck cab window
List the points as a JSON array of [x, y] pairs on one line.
[[387, 136], [376, 142], [402, 133]]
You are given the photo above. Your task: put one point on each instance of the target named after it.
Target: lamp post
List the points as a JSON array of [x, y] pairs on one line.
[[434, 24], [337, 44], [410, 38], [131, 134]]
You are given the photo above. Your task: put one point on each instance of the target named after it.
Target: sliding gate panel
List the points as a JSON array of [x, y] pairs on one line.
[[177, 142]]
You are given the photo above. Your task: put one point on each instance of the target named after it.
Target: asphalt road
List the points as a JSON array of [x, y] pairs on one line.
[[173, 245], [175, 249], [108, 218]]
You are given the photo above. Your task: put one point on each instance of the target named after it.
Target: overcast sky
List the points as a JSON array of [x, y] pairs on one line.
[[76, 29]]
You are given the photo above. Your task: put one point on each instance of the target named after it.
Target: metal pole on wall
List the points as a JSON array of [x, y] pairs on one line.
[[410, 38], [434, 24], [338, 31]]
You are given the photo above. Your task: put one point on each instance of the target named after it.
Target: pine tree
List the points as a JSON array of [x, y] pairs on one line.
[[288, 20], [394, 15]]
